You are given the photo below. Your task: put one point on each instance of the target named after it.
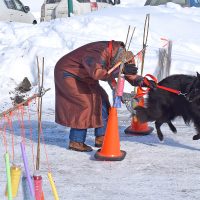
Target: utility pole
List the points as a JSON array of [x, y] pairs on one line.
[[70, 7]]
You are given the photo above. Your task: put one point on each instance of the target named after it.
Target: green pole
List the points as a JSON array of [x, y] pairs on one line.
[[9, 186], [70, 7]]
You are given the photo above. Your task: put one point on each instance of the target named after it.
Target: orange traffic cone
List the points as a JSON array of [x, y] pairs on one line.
[[110, 150], [138, 128]]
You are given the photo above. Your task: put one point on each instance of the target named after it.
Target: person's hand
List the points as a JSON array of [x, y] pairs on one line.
[[134, 80], [131, 78], [129, 69]]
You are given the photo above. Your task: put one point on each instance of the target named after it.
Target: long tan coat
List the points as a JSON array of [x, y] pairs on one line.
[[79, 100]]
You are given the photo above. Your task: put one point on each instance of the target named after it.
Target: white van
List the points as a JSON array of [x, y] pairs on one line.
[[15, 11], [52, 9]]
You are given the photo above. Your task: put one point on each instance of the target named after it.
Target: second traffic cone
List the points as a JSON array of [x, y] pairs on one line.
[[138, 128], [110, 150]]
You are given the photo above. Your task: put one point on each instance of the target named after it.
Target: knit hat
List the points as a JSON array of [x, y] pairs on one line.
[[122, 55]]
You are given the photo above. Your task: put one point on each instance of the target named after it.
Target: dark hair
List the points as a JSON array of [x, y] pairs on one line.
[[122, 44]]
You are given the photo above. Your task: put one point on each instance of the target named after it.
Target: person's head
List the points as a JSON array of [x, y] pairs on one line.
[[123, 56]]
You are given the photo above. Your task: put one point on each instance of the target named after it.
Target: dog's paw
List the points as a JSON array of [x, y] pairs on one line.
[[196, 137], [174, 130], [160, 141], [161, 138]]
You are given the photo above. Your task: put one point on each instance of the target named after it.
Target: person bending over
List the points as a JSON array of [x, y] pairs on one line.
[[80, 101]]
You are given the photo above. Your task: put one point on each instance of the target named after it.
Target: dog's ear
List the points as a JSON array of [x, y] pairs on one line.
[[198, 75]]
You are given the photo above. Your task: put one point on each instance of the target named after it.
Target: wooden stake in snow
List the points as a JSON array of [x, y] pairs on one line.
[[145, 37], [39, 108]]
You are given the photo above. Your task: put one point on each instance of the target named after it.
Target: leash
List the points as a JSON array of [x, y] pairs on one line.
[[146, 81]]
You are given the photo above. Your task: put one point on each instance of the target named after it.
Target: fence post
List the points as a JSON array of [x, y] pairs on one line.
[[164, 62]]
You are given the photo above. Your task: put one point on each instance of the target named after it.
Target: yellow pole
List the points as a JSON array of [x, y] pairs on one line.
[[53, 187], [15, 179]]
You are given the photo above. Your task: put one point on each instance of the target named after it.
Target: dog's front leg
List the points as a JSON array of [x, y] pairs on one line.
[[197, 126], [159, 133]]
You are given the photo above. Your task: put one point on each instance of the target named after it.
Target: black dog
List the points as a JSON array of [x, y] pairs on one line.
[[164, 106]]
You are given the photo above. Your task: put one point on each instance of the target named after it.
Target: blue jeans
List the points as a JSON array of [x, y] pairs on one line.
[[79, 135]]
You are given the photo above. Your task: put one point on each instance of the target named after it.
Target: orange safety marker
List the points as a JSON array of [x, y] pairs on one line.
[[110, 150], [137, 128]]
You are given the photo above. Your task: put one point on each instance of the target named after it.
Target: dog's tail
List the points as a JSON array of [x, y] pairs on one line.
[[142, 114]]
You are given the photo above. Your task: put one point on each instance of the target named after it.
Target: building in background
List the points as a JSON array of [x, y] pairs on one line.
[[52, 9]]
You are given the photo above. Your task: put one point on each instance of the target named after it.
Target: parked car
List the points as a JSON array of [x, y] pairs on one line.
[[183, 3], [15, 11], [52, 9]]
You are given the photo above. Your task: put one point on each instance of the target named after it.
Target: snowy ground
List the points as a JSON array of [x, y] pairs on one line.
[[151, 170]]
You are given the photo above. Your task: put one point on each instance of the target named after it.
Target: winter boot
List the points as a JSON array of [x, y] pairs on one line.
[[99, 141], [79, 146]]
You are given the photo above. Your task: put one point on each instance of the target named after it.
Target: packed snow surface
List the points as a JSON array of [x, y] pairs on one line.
[[151, 170]]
